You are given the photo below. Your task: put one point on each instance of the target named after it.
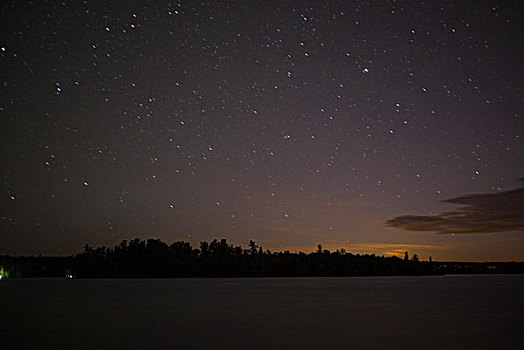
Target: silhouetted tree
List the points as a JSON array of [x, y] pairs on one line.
[[154, 258], [204, 248], [253, 247]]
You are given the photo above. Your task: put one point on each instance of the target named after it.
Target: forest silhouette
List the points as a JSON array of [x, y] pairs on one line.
[[153, 258]]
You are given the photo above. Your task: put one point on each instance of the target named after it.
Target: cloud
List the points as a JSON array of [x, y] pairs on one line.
[[481, 213]]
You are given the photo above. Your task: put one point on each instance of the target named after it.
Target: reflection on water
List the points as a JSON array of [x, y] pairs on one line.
[[439, 312]]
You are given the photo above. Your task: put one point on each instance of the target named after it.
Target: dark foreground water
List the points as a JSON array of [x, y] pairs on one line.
[[446, 312]]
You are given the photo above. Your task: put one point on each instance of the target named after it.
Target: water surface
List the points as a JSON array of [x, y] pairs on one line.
[[438, 312]]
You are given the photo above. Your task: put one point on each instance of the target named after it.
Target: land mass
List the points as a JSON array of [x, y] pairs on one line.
[[153, 258]]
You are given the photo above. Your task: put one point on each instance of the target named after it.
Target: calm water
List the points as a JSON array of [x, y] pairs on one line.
[[446, 312]]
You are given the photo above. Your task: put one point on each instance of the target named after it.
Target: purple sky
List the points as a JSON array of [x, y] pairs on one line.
[[289, 123]]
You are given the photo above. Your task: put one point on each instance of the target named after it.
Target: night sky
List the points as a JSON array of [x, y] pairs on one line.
[[377, 126]]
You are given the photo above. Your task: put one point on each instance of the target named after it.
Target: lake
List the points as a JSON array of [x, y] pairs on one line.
[[437, 312]]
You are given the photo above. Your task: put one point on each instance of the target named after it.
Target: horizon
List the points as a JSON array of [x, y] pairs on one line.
[[399, 253]]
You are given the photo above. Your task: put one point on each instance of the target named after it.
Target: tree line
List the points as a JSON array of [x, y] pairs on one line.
[[154, 258]]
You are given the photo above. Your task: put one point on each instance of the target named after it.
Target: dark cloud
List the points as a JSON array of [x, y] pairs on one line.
[[482, 213]]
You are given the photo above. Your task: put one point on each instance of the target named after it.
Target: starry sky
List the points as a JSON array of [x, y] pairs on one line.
[[374, 126]]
